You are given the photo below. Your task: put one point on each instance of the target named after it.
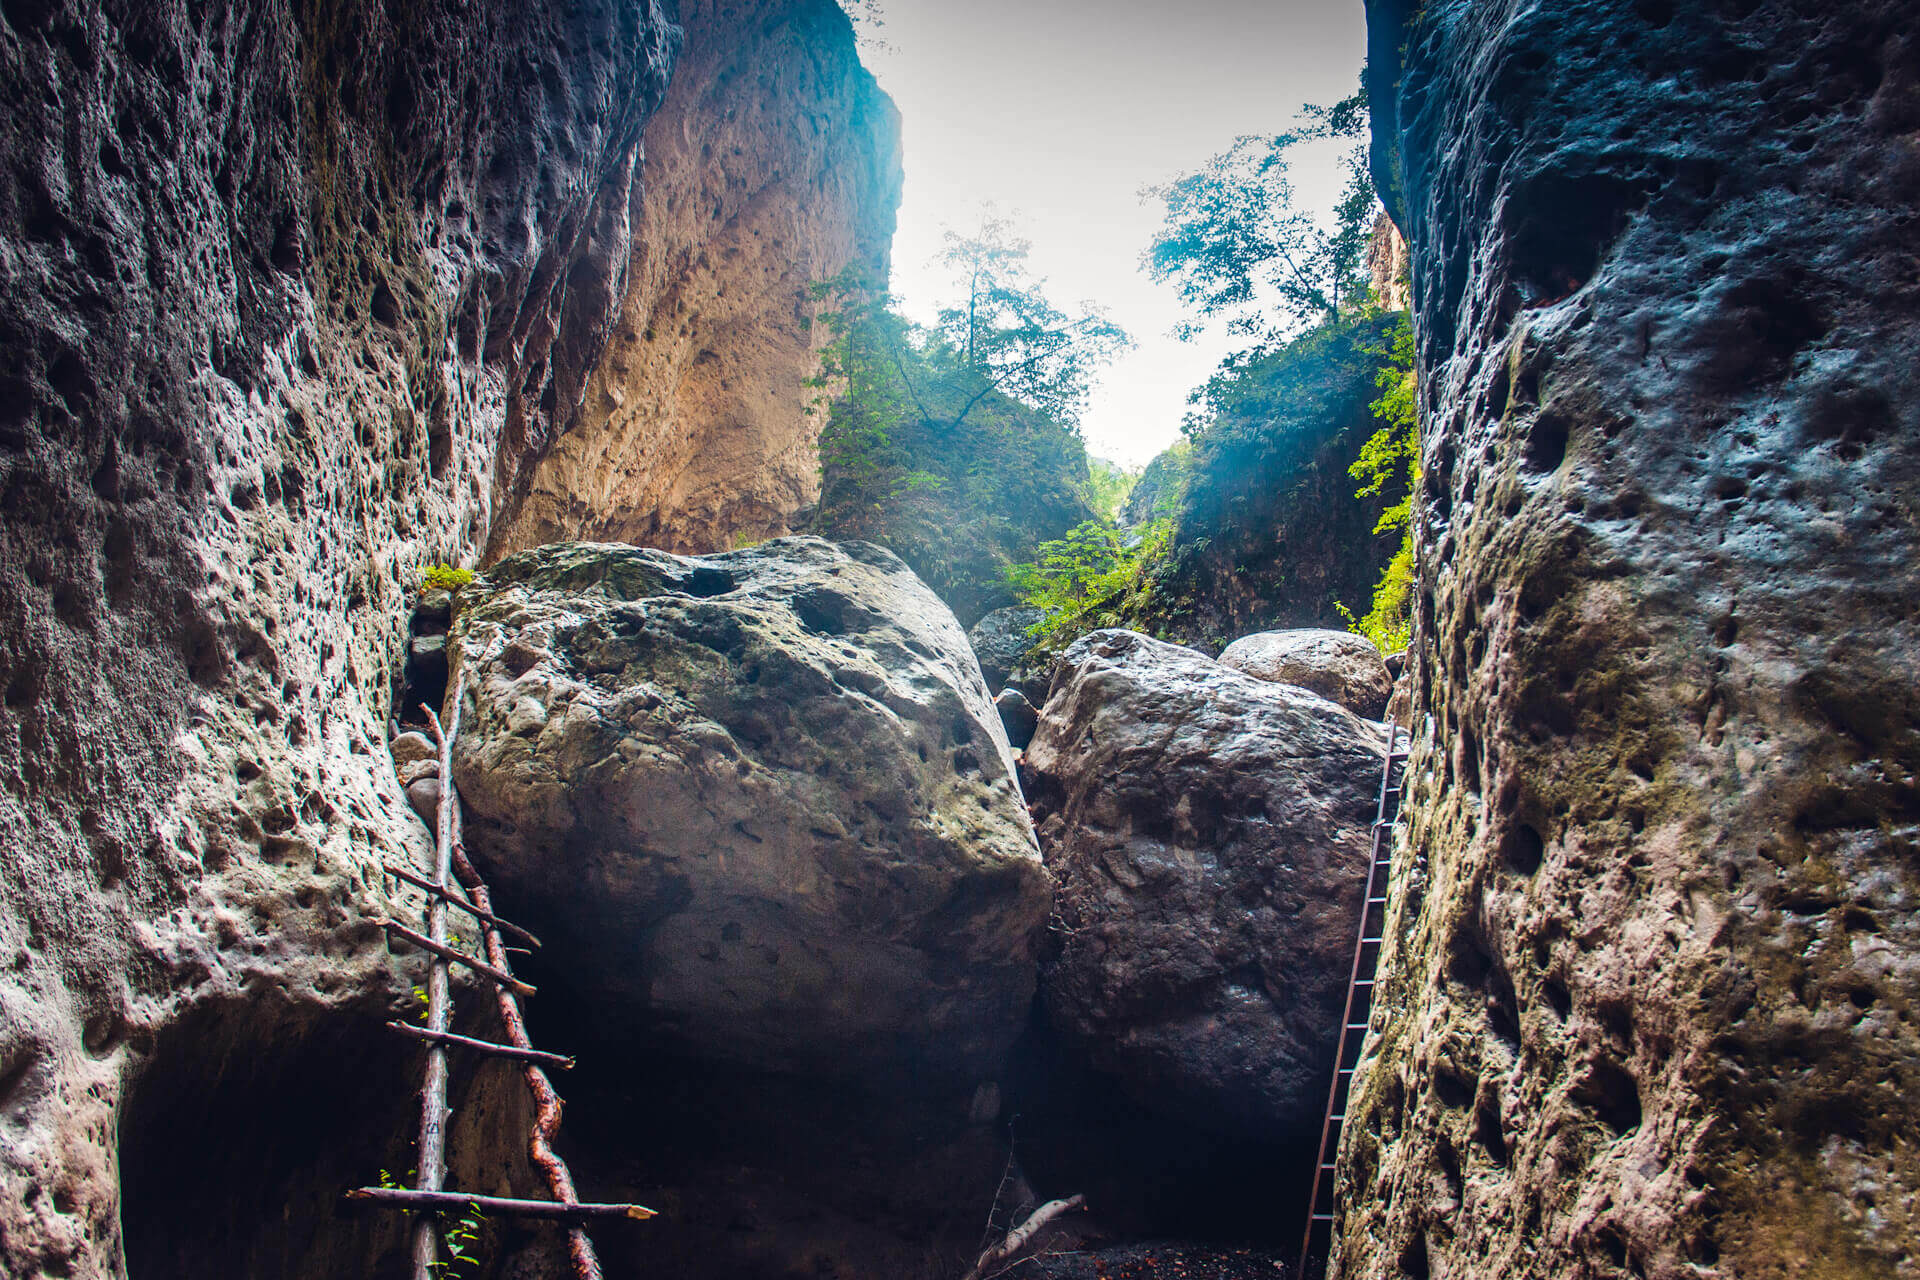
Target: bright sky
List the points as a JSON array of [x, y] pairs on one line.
[[1059, 111]]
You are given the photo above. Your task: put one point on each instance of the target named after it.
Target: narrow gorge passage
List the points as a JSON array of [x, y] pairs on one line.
[[924, 515]]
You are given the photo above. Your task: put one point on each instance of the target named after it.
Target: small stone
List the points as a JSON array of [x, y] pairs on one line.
[[412, 746], [414, 770], [424, 796], [434, 614], [1000, 640]]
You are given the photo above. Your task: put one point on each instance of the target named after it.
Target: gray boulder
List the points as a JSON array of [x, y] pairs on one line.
[[760, 804], [1210, 835], [1017, 716], [1000, 641], [1334, 664]]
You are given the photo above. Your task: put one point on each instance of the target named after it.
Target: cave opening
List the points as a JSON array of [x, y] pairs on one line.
[[238, 1138]]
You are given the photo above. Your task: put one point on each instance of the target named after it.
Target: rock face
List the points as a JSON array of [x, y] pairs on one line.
[[695, 432], [1209, 832], [1334, 664], [768, 796], [1000, 641], [1652, 967], [289, 295]]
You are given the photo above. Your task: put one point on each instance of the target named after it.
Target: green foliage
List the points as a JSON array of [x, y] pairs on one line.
[[1108, 486], [1005, 336], [924, 451], [1091, 578], [1391, 455], [460, 1236], [444, 577], [1235, 245]]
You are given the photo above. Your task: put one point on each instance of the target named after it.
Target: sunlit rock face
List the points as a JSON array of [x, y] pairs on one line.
[[773, 164], [1650, 981], [759, 804], [291, 298]]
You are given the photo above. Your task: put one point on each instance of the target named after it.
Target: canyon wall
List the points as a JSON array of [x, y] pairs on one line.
[[695, 432], [1649, 993], [295, 298]]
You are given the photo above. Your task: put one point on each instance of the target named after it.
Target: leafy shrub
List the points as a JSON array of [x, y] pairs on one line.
[[444, 577]]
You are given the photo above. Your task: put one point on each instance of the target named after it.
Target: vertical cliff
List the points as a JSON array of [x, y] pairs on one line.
[[293, 295], [696, 431], [1649, 1001]]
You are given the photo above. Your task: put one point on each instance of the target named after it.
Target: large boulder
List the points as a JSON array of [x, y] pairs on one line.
[[1001, 639], [1334, 664], [760, 803], [1210, 835]]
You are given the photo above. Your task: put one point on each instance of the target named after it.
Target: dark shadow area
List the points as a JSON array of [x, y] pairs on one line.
[[235, 1149]]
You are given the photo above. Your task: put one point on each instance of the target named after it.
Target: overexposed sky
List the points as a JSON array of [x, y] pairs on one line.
[[1059, 111]]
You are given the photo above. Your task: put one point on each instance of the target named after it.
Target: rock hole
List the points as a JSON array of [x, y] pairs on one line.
[[1413, 1260], [1612, 1094], [384, 306], [707, 582], [1546, 443], [1560, 226], [1558, 998], [1487, 1131], [1655, 13], [1524, 849], [1453, 1088]]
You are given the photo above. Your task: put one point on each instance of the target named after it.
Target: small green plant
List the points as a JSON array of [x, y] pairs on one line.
[[444, 577], [1084, 580], [1390, 455], [461, 1238]]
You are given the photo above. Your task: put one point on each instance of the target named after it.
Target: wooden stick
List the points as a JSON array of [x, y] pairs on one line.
[[458, 956], [1022, 1236], [455, 900], [559, 1060], [432, 1201], [432, 1148], [546, 1102]]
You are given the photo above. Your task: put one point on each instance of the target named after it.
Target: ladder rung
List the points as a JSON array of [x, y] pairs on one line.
[[1357, 1026], [1376, 902], [400, 1198], [1323, 1217], [1375, 939], [1363, 982], [446, 952], [454, 899], [558, 1060]]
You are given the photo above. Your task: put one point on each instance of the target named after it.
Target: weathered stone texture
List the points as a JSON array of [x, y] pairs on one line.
[[696, 432], [1338, 665], [290, 295], [759, 803], [1650, 987], [1209, 832]]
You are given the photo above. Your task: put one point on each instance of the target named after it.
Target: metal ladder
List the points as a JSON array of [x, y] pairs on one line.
[[428, 1196], [1359, 1008]]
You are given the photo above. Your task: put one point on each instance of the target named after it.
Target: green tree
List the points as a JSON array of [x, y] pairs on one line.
[[1236, 245], [1005, 336]]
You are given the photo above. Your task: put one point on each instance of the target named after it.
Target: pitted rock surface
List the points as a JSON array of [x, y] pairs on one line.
[[1210, 835], [1339, 665], [292, 297], [1653, 959], [759, 801]]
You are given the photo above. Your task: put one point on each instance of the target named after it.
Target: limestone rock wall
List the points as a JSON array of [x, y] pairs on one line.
[[1649, 998], [292, 295], [695, 432]]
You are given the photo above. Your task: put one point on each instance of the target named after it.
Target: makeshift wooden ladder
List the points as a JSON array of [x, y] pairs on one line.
[[1353, 1022], [429, 1195]]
